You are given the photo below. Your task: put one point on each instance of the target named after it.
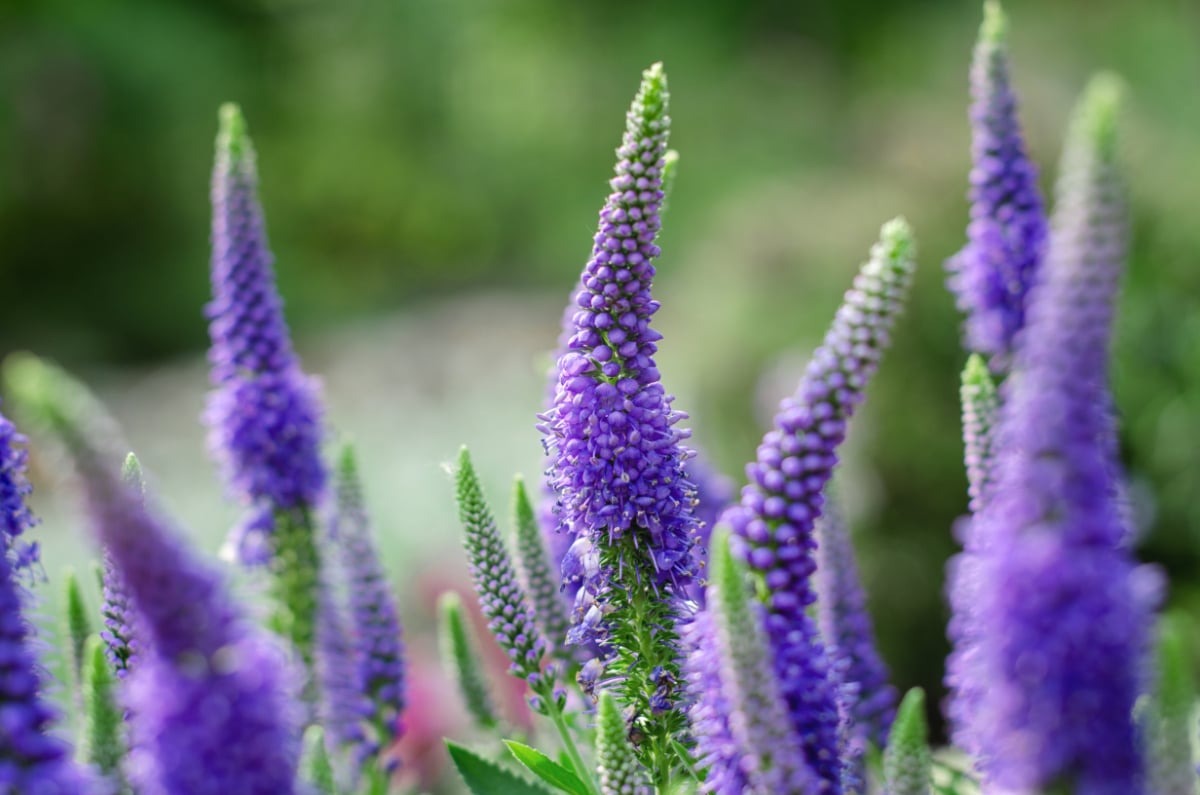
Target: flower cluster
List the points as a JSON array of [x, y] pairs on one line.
[[1062, 609], [31, 760], [504, 603], [210, 698], [764, 680], [773, 523], [263, 415], [993, 274], [847, 631], [374, 620], [618, 459]]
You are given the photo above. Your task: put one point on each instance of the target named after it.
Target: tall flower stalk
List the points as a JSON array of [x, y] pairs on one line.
[[773, 523], [31, 758], [263, 415], [374, 621], [618, 466], [210, 698], [753, 746], [1063, 612], [1006, 238]]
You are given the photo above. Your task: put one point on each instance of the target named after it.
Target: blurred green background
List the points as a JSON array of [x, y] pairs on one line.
[[431, 171]]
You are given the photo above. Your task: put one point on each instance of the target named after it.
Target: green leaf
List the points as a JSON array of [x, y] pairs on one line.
[[317, 766], [546, 768], [484, 777]]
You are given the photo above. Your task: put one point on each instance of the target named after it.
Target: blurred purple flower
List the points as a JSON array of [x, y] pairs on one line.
[[992, 275], [1063, 612], [15, 517], [32, 760], [263, 415], [847, 630], [375, 631]]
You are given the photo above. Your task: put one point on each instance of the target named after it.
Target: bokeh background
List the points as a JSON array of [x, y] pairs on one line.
[[431, 170]]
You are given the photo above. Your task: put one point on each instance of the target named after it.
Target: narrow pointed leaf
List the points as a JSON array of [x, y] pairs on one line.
[[546, 768], [485, 777]]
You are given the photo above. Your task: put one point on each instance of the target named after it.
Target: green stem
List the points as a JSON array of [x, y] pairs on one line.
[[564, 731]]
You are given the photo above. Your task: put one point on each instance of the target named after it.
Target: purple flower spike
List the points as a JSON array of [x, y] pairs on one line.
[[773, 523], [717, 751], [1063, 610], [15, 517], [745, 740], [374, 619], [618, 458], [264, 414], [210, 699], [31, 759], [847, 630], [119, 638], [992, 275]]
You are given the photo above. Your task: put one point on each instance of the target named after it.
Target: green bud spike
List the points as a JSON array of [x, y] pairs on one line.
[[295, 578], [540, 574], [1097, 114], [994, 29], [103, 743], [747, 662], [461, 659], [79, 626], [131, 474], [907, 762], [980, 411], [1167, 715], [616, 762], [231, 131], [502, 599], [318, 770]]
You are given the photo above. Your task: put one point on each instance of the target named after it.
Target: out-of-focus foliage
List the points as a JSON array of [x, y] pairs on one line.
[[418, 148]]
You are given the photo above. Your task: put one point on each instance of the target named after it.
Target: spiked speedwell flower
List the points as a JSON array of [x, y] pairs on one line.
[[343, 707], [847, 631], [773, 523], [263, 414], [541, 578], [510, 619], [209, 698], [618, 459], [374, 619], [1063, 610], [993, 273], [118, 634], [15, 517], [756, 748], [31, 760]]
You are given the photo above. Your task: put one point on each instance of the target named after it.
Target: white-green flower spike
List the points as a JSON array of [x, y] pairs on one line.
[[906, 763]]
